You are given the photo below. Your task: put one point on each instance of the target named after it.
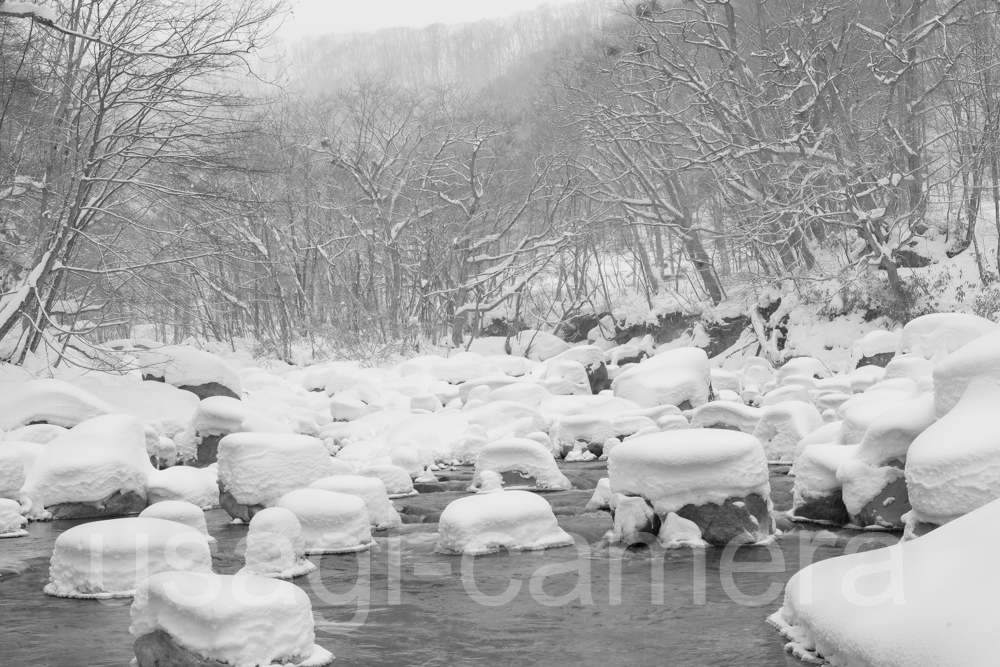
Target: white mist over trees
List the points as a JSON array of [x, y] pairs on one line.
[[428, 184]]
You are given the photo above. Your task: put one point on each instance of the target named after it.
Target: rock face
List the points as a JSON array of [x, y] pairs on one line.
[[514, 478], [208, 451], [886, 510], [827, 509], [598, 377], [737, 519], [880, 360], [158, 649], [117, 504], [234, 508]]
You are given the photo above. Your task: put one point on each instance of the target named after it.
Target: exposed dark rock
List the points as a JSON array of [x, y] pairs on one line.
[[909, 259], [634, 359], [880, 360], [158, 649], [117, 504], [208, 451], [736, 520], [598, 377], [576, 328], [723, 335], [644, 532], [829, 509], [234, 508], [888, 507], [430, 487], [501, 327], [724, 426], [595, 448]]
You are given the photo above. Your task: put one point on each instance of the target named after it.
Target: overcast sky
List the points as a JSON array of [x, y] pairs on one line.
[[315, 17]]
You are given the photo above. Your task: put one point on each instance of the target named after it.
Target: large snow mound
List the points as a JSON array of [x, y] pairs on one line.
[[526, 456], [171, 407], [782, 426], [953, 467], [979, 359], [11, 472], [381, 513], [276, 546], [689, 467], [108, 558], [921, 603], [244, 621], [180, 511], [90, 462], [671, 378], [46, 400], [488, 522], [937, 335], [259, 468], [198, 486], [331, 522]]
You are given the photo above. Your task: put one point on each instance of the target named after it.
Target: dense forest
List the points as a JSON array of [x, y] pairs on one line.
[[170, 170]]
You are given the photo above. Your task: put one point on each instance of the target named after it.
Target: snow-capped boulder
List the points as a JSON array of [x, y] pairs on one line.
[[107, 559], [680, 377], [171, 408], [875, 348], [180, 511], [783, 425], [255, 469], [522, 463], [96, 469], [924, 602], [726, 414], [331, 522], [204, 619], [975, 361], [818, 495], [11, 472], [276, 546], [486, 523], [11, 520], [50, 401], [635, 520], [716, 478], [201, 373], [371, 490], [38, 433], [397, 480], [198, 486], [808, 366], [911, 366], [581, 432], [215, 418], [937, 335]]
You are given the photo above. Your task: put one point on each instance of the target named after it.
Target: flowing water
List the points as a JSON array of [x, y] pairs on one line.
[[404, 604]]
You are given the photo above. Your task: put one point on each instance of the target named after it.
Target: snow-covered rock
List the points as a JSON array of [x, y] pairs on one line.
[[94, 464], [486, 523], [371, 490], [522, 463], [37, 433], [11, 521], [191, 369], [244, 621], [218, 416], [684, 471], [276, 546], [11, 472], [180, 511], [255, 469], [170, 407], [331, 522], [198, 486], [726, 414], [46, 400], [937, 335], [105, 559], [397, 480], [783, 425], [978, 360], [674, 377], [920, 603]]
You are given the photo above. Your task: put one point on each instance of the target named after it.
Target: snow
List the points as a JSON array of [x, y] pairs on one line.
[[180, 511], [920, 603], [486, 523], [862, 482], [677, 532], [37, 433], [876, 342], [632, 515], [258, 468], [11, 519], [890, 434], [47, 400], [396, 480], [953, 467], [978, 360], [197, 486], [584, 429], [11, 472], [108, 558], [783, 425], [171, 407], [937, 335], [689, 467], [911, 366], [90, 462], [181, 366], [331, 522], [743, 417], [276, 546], [602, 495], [816, 471], [528, 457], [371, 490], [670, 378], [244, 621], [807, 366]]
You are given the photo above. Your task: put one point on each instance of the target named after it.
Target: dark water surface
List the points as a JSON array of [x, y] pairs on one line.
[[412, 606]]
